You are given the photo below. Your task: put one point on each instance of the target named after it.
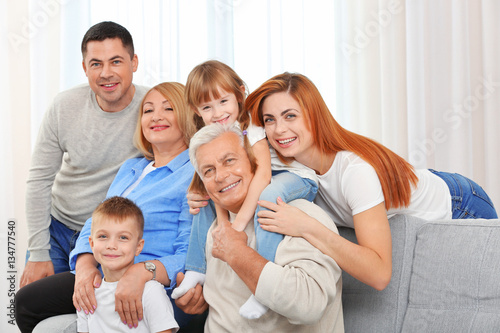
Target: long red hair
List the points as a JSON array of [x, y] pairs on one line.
[[396, 175]]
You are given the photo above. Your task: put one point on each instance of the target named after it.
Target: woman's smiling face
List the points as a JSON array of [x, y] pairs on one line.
[[285, 126]]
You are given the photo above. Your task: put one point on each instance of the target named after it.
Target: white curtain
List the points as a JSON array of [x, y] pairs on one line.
[[423, 78]]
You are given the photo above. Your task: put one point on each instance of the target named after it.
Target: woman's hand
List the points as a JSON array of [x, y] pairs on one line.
[[283, 219], [87, 277], [192, 302], [196, 201], [128, 295]]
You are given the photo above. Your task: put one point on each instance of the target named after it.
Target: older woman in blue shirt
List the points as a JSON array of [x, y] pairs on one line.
[[157, 183]]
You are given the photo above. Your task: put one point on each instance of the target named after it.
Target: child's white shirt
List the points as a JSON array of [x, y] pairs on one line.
[[157, 311]]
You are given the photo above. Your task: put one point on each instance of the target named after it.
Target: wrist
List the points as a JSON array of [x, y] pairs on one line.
[[84, 261]]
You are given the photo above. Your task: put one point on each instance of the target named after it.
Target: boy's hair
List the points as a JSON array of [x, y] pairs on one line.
[[118, 209], [203, 83], [105, 30]]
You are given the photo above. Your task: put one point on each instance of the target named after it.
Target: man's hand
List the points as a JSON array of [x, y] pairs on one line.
[[228, 242], [192, 302], [87, 277], [36, 270], [196, 201]]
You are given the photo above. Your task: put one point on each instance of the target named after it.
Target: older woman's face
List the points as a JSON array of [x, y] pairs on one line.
[[226, 171], [285, 126], [159, 123]]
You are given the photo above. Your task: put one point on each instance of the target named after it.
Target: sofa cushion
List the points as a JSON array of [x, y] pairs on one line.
[[455, 277], [365, 308]]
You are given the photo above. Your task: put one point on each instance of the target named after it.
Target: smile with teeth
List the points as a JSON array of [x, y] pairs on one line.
[[285, 141], [229, 187], [222, 120]]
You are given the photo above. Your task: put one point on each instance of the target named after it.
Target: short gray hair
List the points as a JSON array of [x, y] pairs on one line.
[[208, 134]]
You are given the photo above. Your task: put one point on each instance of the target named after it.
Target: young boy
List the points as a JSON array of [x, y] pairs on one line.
[[115, 239]]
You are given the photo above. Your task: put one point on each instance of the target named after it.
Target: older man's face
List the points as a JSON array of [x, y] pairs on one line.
[[226, 171]]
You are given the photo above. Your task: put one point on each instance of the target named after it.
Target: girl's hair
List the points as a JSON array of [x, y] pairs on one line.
[[395, 174], [174, 93], [203, 84]]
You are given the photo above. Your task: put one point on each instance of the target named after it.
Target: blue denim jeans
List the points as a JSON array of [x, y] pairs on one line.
[[62, 241], [284, 184], [468, 199]]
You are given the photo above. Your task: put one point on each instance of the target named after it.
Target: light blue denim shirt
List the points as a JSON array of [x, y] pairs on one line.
[[167, 222]]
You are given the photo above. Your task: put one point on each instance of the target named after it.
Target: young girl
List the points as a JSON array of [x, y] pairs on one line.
[[361, 182], [216, 94]]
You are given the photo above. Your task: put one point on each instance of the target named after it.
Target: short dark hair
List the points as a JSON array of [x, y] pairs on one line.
[[105, 30], [120, 209]]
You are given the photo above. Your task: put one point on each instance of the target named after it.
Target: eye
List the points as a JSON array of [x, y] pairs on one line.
[[205, 108], [169, 109], [117, 62], [101, 236], [207, 172], [147, 110], [95, 64], [290, 116], [268, 120], [123, 237], [223, 101]]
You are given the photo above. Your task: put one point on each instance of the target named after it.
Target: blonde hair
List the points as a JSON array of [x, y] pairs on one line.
[[204, 82], [174, 93], [395, 174]]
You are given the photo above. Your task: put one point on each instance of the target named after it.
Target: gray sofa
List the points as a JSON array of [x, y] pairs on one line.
[[446, 278]]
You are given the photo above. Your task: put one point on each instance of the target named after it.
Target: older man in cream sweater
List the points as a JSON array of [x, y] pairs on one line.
[[302, 288]]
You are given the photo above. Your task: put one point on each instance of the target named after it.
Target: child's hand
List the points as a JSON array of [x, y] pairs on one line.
[[192, 302], [196, 201], [282, 218]]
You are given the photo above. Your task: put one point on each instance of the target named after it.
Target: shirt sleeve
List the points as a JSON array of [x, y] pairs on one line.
[[82, 323], [303, 281], [361, 187], [158, 310], [45, 163], [175, 263]]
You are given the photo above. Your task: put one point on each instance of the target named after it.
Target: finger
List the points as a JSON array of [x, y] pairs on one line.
[[119, 309], [194, 211], [268, 204], [183, 301], [134, 313], [180, 278], [200, 305], [126, 313]]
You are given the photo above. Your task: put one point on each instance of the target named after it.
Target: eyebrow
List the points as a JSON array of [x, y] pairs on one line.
[[111, 59], [225, 156], [282, 112]]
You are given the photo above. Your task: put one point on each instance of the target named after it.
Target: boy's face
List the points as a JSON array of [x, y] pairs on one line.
[[115, 244], [223, 110]]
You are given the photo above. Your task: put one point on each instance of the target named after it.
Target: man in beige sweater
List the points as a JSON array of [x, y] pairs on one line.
[[302, 288]]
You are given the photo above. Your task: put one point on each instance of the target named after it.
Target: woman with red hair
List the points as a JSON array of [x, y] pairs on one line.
[[361, 182]]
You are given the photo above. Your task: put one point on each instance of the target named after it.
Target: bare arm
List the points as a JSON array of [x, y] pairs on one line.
[[87, 277], [369, 261], [259, 182]]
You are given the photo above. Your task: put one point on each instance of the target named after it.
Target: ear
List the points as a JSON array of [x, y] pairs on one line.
[[91, 242], [135, 63], [84, 67], [242, 89], [140, 246]]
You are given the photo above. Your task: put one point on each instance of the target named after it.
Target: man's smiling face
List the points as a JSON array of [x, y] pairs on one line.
[[226, 171]]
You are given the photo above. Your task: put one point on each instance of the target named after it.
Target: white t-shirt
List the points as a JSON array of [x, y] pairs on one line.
[[257, 133], [158, 314], [351, 186]]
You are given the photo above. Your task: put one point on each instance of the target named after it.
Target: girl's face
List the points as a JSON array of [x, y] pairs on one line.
[[159, 123], [285, 126], [223, 110]]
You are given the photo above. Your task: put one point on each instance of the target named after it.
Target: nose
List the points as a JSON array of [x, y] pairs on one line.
[[106, 71], [218, 112], [280, 126], [221, 174], [157, 116], [111, 244]]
